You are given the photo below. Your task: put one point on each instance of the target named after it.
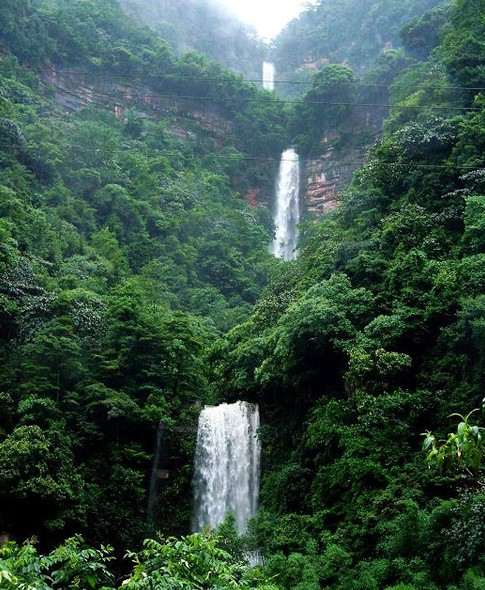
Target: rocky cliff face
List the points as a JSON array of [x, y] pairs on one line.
[[73, 91], [329, 174], [203, 122], [322, 178]]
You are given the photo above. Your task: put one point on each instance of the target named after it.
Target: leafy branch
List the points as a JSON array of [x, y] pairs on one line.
[[462, 451]]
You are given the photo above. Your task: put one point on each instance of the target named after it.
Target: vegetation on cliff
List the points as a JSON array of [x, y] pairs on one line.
[[125, 250]]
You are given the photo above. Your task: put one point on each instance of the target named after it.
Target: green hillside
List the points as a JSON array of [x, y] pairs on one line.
[[205, 26], [350, 32]]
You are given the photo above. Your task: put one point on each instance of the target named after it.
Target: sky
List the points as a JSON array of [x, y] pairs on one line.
[[268, 16]]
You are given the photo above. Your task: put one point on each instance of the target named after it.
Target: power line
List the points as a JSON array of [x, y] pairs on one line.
[[223, 100], [233, 80], [104, 96], [246, 158], [293, 101]]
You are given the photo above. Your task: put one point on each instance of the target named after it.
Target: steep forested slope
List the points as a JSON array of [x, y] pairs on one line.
[[353, 32], [205, 26], [335, 111]]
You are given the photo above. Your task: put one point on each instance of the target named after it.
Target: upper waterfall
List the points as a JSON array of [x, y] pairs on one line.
[[268, 75], [227, 463], [287, 210]]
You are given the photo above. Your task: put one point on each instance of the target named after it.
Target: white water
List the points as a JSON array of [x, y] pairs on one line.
[[227, 464], [268, 75], [287, 212]]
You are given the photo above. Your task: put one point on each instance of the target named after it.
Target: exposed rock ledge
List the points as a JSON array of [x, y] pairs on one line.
[[326, 176], [73, 91]]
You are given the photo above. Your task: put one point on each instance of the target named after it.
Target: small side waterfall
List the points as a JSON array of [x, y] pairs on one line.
[[268, 75], [155, 474], [227, 464], [287, 211]]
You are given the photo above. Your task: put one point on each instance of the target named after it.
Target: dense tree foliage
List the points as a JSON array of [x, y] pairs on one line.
[[326, 108], [195, 561]]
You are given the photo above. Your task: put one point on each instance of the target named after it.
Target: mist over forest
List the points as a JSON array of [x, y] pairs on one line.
[[242, 328], [206, 26]]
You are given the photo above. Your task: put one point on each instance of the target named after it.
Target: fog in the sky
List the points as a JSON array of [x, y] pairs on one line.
[[268, 16]]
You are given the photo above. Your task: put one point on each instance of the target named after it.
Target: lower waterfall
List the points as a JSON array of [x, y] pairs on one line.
[[227, 465]]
